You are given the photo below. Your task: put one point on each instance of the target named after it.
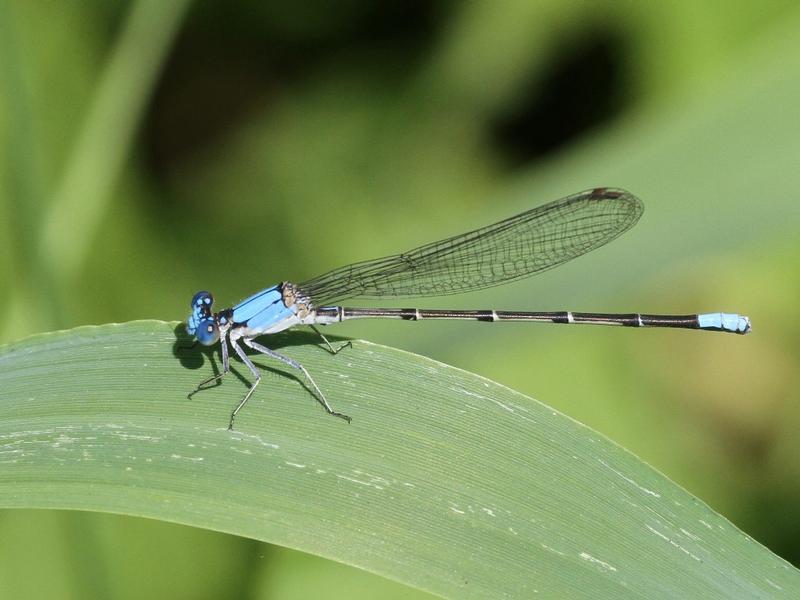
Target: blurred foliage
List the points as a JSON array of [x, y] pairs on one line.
[[147, 151]]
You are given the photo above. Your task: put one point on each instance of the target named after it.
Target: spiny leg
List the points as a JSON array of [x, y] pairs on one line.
[[328, 344], [296, 365], [255, 373], [225, 366]]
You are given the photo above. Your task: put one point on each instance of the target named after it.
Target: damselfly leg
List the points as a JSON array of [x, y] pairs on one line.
[[329, 347]]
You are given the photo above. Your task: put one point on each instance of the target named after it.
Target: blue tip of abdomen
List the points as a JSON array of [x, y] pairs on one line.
[[724, 322]]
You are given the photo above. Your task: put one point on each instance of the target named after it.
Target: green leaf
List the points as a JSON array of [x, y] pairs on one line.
[[444, 481]]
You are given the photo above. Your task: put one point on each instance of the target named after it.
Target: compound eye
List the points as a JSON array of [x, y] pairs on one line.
[[202, 300], [207, 332]]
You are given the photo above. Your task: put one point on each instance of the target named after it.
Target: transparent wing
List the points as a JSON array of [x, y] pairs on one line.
[[531, 242]]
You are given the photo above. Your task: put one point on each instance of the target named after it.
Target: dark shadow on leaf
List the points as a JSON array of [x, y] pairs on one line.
[[187, 350]]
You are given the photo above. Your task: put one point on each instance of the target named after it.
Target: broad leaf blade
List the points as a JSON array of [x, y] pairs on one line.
[[444, 481]]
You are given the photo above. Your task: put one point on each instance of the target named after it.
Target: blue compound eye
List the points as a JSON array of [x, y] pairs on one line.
[[201, 312], [202, 299], [207, 332]]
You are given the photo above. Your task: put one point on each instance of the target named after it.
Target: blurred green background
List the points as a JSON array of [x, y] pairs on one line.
[[150, 149]]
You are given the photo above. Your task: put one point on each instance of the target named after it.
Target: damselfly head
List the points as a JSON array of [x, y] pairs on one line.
[[202, 323]]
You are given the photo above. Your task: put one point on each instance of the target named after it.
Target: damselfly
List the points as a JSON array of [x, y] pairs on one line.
[[529, 243]]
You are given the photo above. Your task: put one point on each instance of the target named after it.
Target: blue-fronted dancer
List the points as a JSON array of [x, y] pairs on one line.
[[529, 243]]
